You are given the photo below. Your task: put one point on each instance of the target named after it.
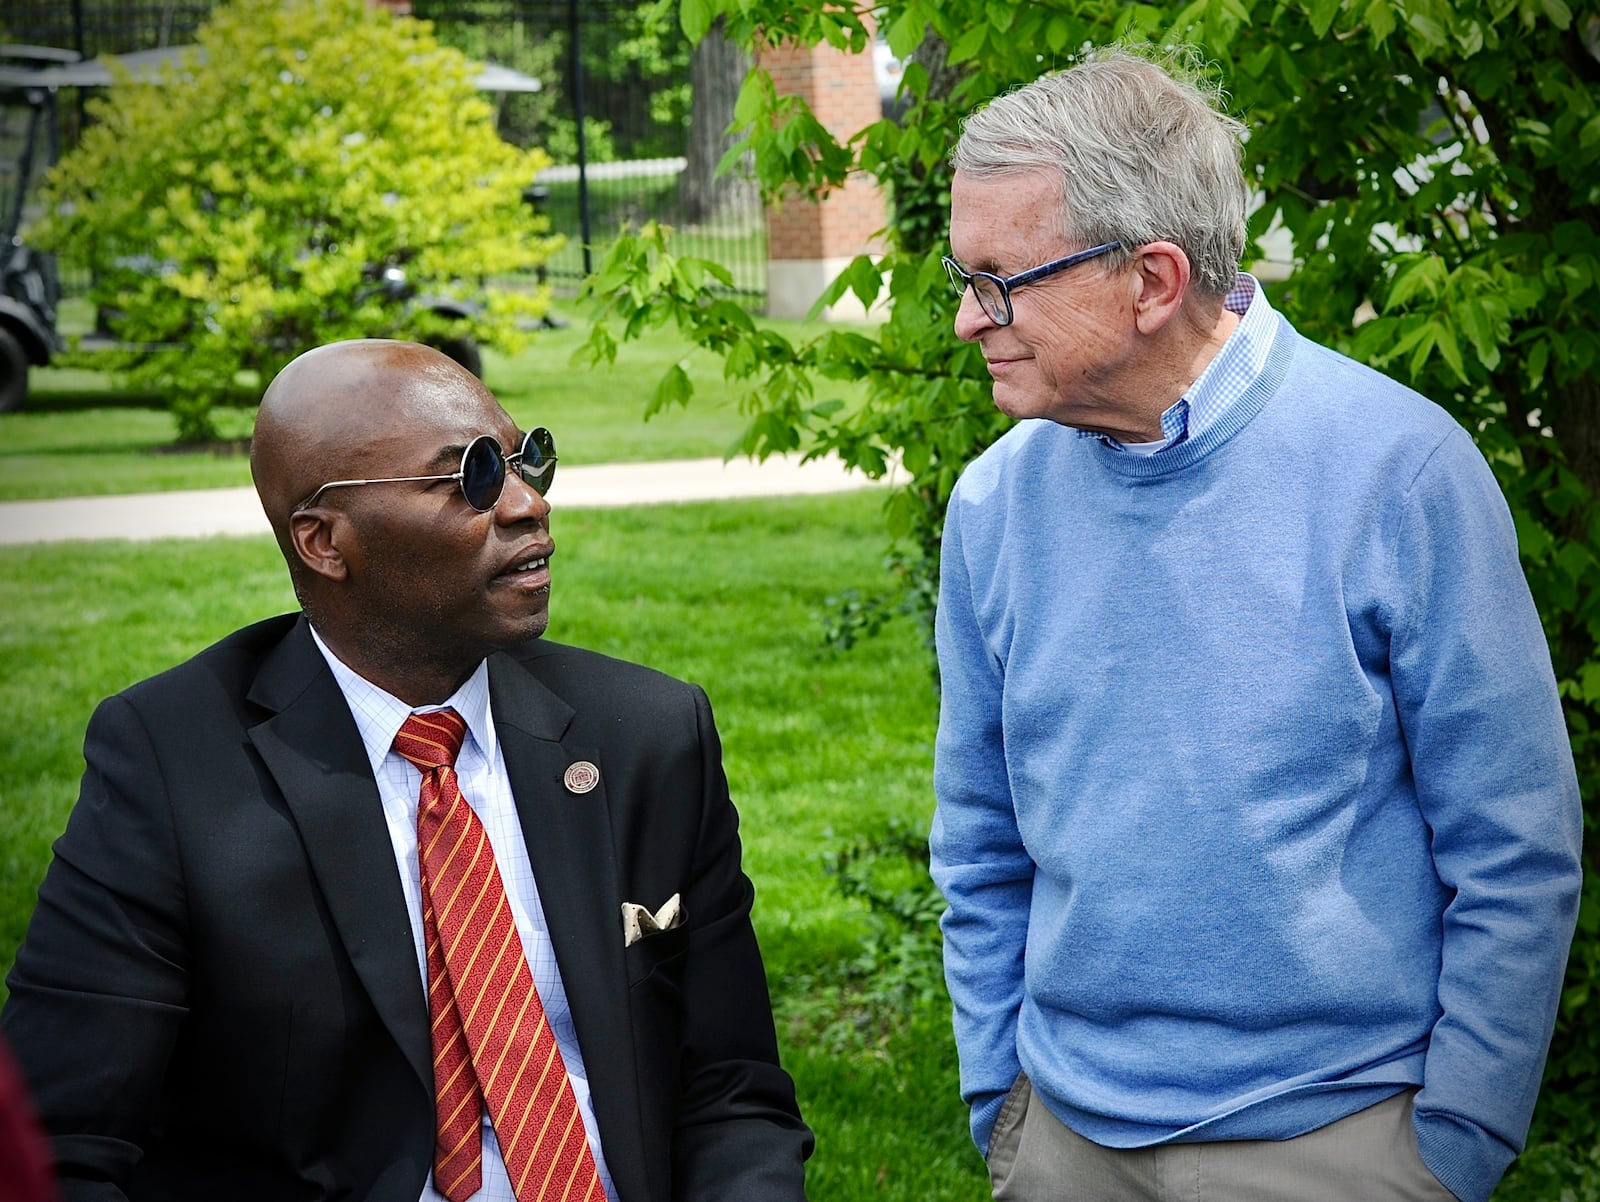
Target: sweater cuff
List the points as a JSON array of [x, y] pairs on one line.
[[985, 1112], [1467, 1160]]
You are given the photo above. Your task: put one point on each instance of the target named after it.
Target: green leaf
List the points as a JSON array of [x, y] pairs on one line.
[[864, 279], [1537, 360], [1469, 36], [1424, 273], [741, 360], [1256, 64], [900, 513], [696, 17], [1449, 348], [1589, 135], [1589, 682], [966, 47], [1380, 21], [1432, 33], [1473, 317], [753, 95], [1533, 540], [1558, 12], [1577, 561], [1420, 342], [905, 33], [1589, 912], [1187, 17], [675, 388]]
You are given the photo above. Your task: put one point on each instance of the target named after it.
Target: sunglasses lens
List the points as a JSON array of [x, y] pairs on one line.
[[538, 461], [483, 473]]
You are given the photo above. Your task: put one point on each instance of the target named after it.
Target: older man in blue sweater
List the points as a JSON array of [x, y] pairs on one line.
[[1256, 813]]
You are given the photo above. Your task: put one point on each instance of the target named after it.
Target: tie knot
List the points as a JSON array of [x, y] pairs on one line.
[[431, 740]]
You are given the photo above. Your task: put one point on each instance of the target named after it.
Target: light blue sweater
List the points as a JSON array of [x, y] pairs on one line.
[[1255, 801]]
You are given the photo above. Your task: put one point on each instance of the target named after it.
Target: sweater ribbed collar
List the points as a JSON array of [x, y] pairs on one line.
[[1236, 417]]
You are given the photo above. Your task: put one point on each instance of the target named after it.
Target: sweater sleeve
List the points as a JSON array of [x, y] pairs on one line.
[[978, 858], [1495, 781]]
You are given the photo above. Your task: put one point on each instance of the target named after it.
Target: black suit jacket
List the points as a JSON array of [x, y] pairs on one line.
[[218, 994]]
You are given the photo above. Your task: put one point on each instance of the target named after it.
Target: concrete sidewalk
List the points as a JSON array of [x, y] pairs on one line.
[[232, 511]]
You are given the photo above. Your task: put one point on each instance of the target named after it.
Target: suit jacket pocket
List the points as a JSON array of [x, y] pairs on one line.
[[654, 952]]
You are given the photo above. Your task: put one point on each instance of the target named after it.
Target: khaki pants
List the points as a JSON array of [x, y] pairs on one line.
[[1371, 1156]]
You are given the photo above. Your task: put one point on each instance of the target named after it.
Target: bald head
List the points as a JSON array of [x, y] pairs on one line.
[[324, 412]]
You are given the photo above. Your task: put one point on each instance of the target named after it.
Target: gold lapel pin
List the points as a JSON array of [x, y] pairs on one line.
[[581, 777]]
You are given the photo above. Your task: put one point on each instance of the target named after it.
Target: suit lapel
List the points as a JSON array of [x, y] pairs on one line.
[[314, 752], [570, 845]]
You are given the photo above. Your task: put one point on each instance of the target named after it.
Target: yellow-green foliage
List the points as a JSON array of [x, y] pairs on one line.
[[240, 210]]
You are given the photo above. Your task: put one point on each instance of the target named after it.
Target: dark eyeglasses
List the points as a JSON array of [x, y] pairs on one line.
[[483, 470], [994, 292]]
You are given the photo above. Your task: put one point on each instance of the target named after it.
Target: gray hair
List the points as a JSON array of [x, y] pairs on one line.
[[1144, 152]]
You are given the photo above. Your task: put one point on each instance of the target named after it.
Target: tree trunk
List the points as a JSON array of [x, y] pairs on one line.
[[1574, 411], [921, 193], [717, 73]]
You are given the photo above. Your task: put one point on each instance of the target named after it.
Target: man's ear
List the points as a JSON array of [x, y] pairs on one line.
[[318, 536], [1163, 274]]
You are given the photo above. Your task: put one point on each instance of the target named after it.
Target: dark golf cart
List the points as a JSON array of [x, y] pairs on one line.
[[30, 142]]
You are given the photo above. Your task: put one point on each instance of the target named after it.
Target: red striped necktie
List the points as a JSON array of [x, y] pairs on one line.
[[491, 1041]]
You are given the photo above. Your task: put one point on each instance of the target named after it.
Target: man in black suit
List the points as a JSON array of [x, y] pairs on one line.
[[223, 990]]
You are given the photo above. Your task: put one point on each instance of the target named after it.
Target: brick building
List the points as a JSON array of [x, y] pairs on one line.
[[811, 239]]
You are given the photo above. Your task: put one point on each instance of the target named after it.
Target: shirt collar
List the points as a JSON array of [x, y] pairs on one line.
[[379, 714], [1226, 377]]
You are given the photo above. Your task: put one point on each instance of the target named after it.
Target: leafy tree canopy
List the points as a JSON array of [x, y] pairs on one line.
[[1433, 168], [247, 206]]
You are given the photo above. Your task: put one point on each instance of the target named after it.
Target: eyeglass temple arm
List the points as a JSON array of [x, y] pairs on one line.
[[1048, 269], [312, 499]]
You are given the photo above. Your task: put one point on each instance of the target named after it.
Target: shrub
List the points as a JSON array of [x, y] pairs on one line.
[[248, 204]]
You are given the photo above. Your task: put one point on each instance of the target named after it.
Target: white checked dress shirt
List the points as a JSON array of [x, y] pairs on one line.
[[1225, 379], [481, 770]]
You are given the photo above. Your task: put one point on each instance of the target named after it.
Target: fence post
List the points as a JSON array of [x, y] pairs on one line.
[[575, 54], [811, 239]]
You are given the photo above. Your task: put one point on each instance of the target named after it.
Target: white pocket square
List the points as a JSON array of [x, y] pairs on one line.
[[637, 921]]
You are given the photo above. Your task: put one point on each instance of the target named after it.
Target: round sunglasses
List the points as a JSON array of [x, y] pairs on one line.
[[483, 470]]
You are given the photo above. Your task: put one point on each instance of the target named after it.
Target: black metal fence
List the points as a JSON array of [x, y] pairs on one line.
[[96, 27], [633, 117]]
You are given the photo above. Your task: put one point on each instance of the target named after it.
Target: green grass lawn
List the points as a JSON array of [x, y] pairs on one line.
[[80, 436], [819, 747]]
